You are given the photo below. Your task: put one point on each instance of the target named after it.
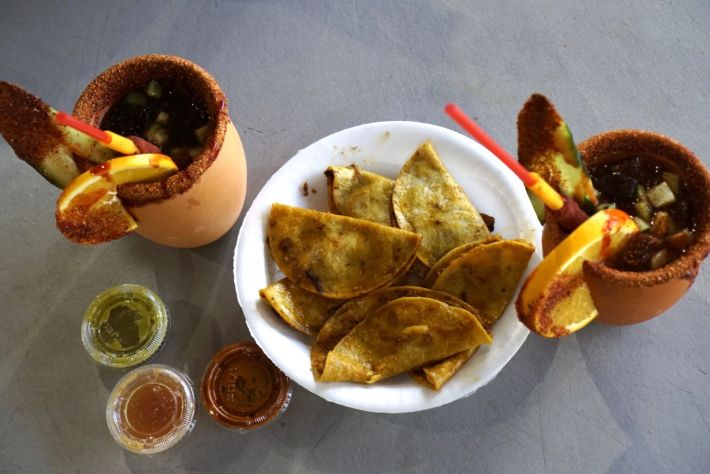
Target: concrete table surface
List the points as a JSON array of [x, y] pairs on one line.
[[608, 399]]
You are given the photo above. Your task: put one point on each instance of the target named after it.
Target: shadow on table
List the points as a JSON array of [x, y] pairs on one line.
[[210, 447], [646, 376], [319, 436], [330, 438]]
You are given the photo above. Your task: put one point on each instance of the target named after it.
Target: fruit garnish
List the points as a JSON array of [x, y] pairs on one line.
[[555, 299], [89, 210], [28, 125], [546, 146]]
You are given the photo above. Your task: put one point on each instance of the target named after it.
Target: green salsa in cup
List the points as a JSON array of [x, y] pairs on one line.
[[124, 326]]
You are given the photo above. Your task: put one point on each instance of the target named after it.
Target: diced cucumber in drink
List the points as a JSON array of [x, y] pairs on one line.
[[162, 118], [640, 193], [157, 135], [201, 133], [642, 224], [661, 224], [643, 209], [136, 98], [673, 181], [166, 115], [661, 258], [153, 90], [660, 195]]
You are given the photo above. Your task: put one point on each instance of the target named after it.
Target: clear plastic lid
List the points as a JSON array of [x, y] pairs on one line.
[[151, 409], [124, 326]]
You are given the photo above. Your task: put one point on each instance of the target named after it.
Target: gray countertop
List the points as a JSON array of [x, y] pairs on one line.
[[608, 399]]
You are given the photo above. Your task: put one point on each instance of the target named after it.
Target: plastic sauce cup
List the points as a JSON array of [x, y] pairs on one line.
[[151, 409], [243, 389], [124, 326]]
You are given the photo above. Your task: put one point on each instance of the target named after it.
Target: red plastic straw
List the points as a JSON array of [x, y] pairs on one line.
[[95, 133], [484, 139]]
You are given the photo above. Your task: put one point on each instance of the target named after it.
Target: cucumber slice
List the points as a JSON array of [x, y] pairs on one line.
[[40, 145], [86, 147], [538, 206], [564, 142], [546, 146], [58, 167], [83, 145]]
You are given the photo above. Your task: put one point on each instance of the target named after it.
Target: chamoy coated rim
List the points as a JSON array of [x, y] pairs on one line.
[[151, 409], [242, 389], [125, 326]]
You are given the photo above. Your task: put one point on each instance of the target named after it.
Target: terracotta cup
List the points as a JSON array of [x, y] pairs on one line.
[[200, 203], [624, 297]]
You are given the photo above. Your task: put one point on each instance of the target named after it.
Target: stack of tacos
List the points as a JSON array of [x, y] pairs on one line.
[[344, 271]]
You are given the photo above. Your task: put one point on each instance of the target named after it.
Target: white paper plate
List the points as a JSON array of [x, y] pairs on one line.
[[383, 148]]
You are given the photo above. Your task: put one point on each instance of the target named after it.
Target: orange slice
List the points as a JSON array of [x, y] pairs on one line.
[[555, 300], [89, 211]]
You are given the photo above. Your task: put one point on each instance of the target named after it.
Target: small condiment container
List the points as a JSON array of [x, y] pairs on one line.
[[243, 389], [124, 326], [151, 409]]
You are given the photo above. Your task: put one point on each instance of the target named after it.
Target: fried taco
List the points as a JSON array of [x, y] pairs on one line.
[[402, 335], [436, 374], [357, 310], [450, 256], [486, 276], [358, 193], [337, 256], [427, 200], [302, 310]]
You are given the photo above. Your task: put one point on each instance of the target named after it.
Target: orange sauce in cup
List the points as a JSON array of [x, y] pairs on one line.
[[151, 409], [243, 389]]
